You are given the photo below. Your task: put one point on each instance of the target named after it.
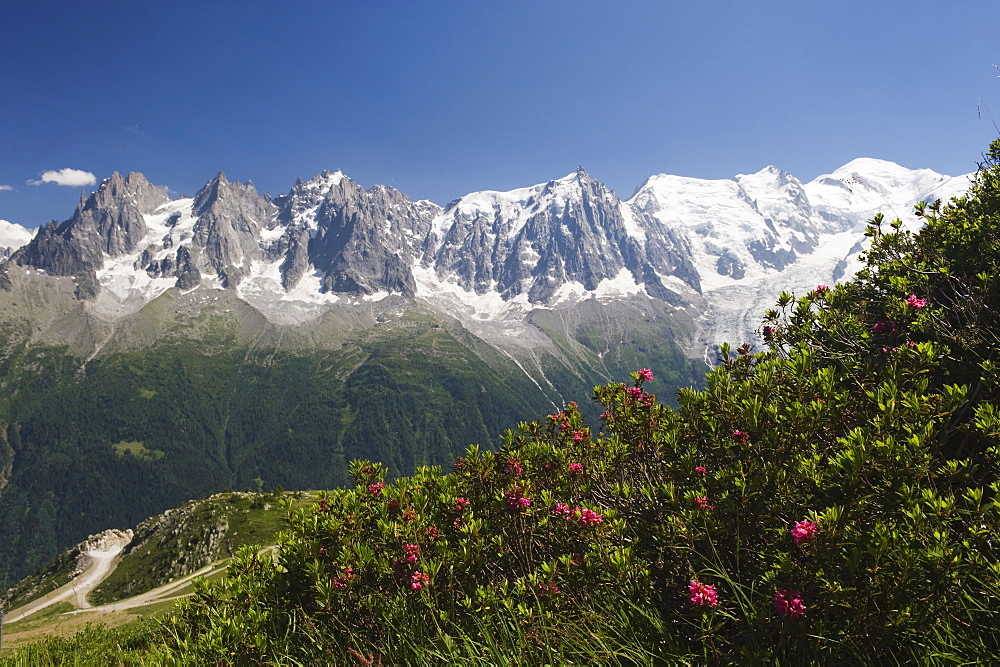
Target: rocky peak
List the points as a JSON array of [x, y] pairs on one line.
[[230, 218], [366, 240], [571, 231], [109, 223]]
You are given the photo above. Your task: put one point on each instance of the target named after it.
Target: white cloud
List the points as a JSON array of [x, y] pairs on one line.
[[74, 177], [5, 188]]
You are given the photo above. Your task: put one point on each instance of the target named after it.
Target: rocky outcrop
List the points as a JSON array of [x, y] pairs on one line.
[[365, 240], [230, 219], [107, 224], [535, 240], [109, 541]]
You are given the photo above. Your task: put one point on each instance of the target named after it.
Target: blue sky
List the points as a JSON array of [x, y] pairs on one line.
[[442, 98]]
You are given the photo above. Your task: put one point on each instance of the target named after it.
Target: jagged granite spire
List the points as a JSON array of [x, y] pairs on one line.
[[108, 223]]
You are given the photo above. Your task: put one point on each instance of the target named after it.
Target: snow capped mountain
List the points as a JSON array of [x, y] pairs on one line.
[[866, 186], [722, 249], [758, 234], [563, 241]]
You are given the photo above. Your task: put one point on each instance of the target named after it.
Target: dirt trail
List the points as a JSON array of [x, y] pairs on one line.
[[167, 591], [101, 564]]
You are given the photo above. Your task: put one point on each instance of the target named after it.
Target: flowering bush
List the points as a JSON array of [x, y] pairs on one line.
[[586, 544]]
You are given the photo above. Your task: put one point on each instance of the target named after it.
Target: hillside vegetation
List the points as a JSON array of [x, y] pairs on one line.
[[146, 426], [832, 498]]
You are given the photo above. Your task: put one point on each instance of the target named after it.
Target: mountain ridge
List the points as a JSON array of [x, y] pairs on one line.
[[488, 256]]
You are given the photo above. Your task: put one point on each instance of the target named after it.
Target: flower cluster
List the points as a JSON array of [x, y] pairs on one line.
[[916, 303], [702, 594], [820, 289], [702, 503], [376, 488], [515, 501], [789, 603], [576, 467], [461, 503], [884, 328], [514, 467], [418, 580], [586, 517], [561, 419], [645, 374], [341, 581], [741, 436], [804, 531], [412, 553]]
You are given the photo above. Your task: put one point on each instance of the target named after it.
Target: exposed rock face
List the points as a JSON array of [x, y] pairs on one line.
[[111, 540], [109, 223], [107, 541], [6, 457], [230, 218], [366, 241], [535, 240], [361, 241]]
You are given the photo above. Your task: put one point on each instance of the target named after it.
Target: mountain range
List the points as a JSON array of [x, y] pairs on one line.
[[156, 349], [487, 258]]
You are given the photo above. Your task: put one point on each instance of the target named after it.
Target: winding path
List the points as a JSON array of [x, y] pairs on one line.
[[101, 564]]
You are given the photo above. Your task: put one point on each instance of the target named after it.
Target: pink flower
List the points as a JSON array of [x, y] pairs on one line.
[[376, 488], [590, 517], [702, 503], [882, 328], [820, 289], [767, 332], [634, 392], [412, 552], [789, 603], [561, 509], [340, 582], [515, 501], [461, 503], [742, 436], [514, 467], [701, 470], [804, 531], [913, 302], [703, 594], [549, 588], [419, 580], [645, 374], [576, 467], [577, 436]]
